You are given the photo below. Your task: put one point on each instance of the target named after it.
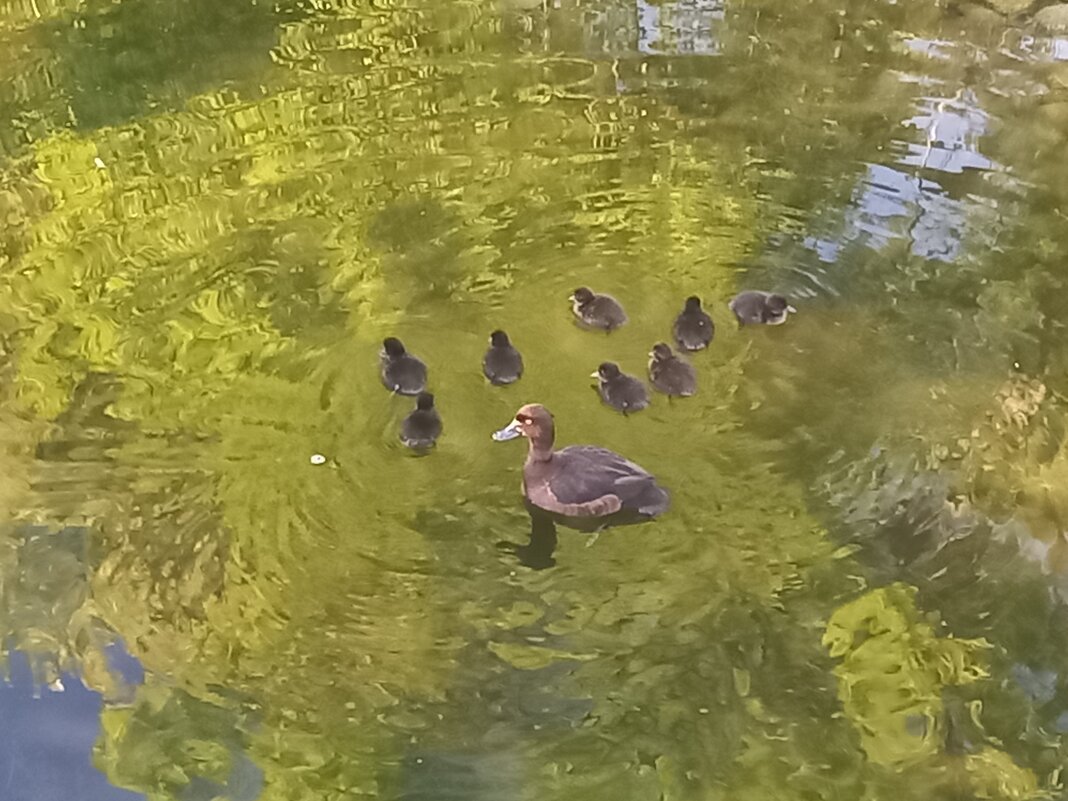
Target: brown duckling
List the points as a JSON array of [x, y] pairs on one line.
[[502, 364], [754, 307], [402, 372], [622, 392], [693, 327], [597, 311], [670, 374], [422, 427]]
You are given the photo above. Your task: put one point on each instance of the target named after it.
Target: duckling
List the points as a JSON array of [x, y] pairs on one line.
[[622, 392], [422, 427], [502, 364], [597, 311], [693, 329], [401, 372], [754, 307], [670, 374]]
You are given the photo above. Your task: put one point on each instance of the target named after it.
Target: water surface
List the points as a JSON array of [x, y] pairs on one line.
[[215, 211]]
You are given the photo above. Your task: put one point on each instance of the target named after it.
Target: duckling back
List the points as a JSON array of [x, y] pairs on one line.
[[401, 372], [502, 363], [422, 427], [670, 374], [693, 327], [597, 311]]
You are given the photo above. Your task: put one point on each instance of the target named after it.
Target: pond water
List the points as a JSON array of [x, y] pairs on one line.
[[215, 210]]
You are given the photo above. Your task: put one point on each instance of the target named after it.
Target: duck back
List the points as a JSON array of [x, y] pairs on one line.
[[588, 481]]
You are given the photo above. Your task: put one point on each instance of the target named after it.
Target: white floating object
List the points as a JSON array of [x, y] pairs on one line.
[[99, 162], [318, 458]]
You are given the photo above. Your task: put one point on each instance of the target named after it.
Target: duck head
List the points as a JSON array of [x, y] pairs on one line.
[[499, 339], [392, 347], [693, 304], [778, 305], [425, 401], [532, 421], [581, 296], [606, 372], [661, 352]]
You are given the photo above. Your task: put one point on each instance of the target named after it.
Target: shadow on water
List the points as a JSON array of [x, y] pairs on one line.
[[537, 552], [442, 776]]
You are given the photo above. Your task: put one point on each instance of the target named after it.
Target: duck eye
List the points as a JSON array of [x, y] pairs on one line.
[[522, 418]]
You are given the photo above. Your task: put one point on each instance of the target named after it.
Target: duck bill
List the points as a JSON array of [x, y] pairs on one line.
[[510, 431], [595, 374], [791, 309]]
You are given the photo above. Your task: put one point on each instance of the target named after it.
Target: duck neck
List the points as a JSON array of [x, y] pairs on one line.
[[541, 448]]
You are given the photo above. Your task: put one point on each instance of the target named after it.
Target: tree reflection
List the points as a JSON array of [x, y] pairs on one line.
[[183, 326]]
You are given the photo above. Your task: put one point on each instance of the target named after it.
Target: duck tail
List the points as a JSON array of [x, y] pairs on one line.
[[655, 502]]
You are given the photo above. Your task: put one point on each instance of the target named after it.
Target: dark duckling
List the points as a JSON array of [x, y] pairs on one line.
[[670, 374], [502, 363], [597, 311], [422, 427], [753, 307], [694, 329], [622, 392], [401, 372], [580, 480]]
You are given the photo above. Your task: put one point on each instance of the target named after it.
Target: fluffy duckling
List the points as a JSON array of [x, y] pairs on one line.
[[754, 307], [597, 311], [693, 328], [422, 427], [502, 364], [401, 372], [670, 374], [622, 392]]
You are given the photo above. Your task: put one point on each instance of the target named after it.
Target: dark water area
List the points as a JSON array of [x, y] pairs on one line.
[[222, 575]]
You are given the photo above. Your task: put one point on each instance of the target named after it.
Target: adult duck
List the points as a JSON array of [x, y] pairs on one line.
[[580, 480]]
